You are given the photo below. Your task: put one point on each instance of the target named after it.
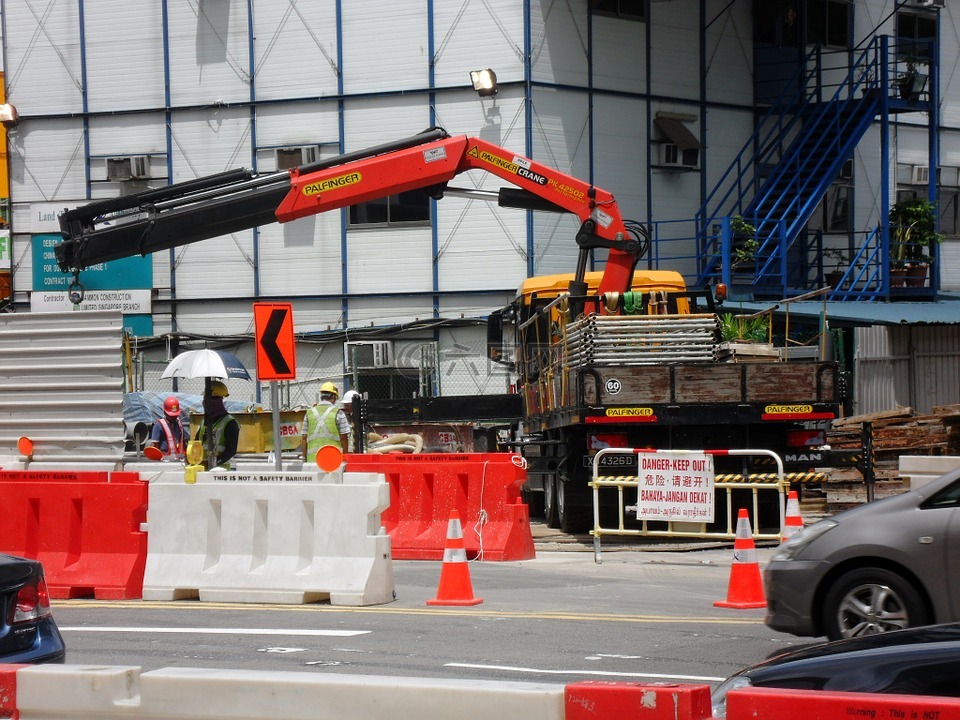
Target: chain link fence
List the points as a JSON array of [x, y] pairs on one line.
[[454, 365]]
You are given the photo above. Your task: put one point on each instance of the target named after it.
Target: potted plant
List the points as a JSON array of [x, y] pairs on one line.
[[741, 328], [744, 245], [840, 263], [911, 81], [913, 235]]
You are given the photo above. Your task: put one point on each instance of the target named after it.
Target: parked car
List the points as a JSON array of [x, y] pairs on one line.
[[28, 632], [886, 565], [917, 661]]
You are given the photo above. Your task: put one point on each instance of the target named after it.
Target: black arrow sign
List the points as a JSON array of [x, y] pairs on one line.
[[268, 341]]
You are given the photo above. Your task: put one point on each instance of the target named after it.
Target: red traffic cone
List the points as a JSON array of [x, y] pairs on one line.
[[746, 586], [455, 587], [793, 520]]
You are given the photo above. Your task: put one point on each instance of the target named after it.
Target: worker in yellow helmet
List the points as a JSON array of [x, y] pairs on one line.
[[325, 424], [226, 429]]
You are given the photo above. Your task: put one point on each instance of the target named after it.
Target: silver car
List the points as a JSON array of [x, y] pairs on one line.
[[890, 564]]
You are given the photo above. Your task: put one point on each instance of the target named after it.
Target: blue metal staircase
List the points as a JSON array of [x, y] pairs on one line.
[[784, 170]]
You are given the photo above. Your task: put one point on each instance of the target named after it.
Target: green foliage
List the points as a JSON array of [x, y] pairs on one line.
[[753, 329], [913, 231], [838, 255], [745, 244]]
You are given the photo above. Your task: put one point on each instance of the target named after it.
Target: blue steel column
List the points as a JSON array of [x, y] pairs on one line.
[[528, 122], [344, 212], [933, 141], [169, 141], [83, 95], [591, 140], [885, 168], [251, 61], [434, 232], [648, 55]]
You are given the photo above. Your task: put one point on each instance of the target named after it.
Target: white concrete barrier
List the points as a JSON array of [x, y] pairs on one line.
[[76, 692], [268, 537], [918, 470]]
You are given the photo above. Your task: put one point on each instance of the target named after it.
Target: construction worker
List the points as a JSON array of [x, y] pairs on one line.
[[226, 429], [167, 433], [325, 424], [347, 404]]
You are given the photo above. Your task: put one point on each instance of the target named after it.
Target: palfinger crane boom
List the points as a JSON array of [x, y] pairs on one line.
[[240, 199]]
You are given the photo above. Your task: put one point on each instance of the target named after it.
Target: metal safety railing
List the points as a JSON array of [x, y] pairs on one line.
[[768, 482]]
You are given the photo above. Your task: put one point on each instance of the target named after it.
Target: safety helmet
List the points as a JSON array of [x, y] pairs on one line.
[[348, 396], [218, 389], [329, 388], [171, 406]]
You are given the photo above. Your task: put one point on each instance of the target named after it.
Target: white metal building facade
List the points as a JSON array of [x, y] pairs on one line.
[[188, 88]]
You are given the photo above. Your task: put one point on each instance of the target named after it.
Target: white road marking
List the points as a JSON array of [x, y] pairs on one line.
[[281, 650], [217, 631], [657, 676]]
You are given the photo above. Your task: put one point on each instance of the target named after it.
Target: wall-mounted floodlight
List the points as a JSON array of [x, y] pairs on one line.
[[484, 82], [9, 116]]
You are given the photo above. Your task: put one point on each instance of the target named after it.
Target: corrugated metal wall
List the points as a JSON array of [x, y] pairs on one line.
[[214, 89], [916, 367], [61, 385]]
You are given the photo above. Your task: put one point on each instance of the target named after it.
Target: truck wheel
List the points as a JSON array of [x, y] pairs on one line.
[[551, 516]]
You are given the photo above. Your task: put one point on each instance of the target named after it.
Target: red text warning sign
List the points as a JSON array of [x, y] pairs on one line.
[[675, 486]]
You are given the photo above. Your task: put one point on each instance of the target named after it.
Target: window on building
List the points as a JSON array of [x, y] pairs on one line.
[[828, 22], [775, 22], [948, 200], [915, 33], [408, 207], [625, 9]]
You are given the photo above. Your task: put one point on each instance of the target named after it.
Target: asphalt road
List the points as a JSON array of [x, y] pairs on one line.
[[640, 615]]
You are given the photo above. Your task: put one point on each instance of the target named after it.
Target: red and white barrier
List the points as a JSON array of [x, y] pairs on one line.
[[84, 526], [483, 488], [67, 692]]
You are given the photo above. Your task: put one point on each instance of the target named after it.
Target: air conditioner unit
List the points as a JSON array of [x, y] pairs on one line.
[[929, 3], [920, 175], [671, 156], [130, 167], [292, 157], [364, 355]]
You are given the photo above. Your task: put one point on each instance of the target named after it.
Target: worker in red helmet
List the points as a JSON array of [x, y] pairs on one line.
[[167, 433]]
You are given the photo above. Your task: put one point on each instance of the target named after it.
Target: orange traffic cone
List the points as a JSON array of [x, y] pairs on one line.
[[746, 586], [455, 587], [793, 520]]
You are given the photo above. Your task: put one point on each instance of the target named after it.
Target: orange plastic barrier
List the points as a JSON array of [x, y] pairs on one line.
[[660, 701], [83, 526], [777, 704], [484, 488]]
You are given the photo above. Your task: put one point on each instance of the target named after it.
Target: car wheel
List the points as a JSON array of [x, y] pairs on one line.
[[869, 601]]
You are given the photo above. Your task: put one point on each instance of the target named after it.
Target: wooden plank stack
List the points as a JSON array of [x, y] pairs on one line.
[[896, 432]]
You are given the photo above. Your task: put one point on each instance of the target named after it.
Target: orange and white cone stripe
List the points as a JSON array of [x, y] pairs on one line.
[[793, 520], [746, 584], [455, 587]]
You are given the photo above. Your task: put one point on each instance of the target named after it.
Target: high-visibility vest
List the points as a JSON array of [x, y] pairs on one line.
[[218, 445], [174, 447], [321, 430]]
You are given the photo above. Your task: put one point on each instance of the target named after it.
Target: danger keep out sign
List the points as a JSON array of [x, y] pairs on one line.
[[675, 486]]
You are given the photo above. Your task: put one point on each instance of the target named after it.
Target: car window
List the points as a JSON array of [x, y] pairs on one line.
[[948, 497]]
